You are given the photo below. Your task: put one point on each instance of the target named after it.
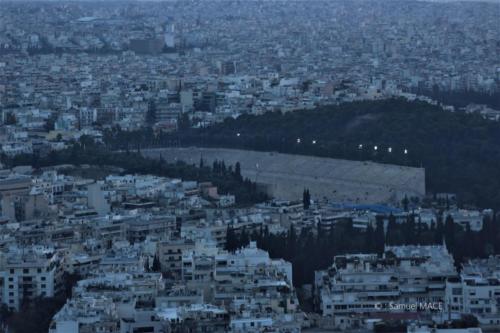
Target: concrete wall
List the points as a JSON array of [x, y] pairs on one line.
[[285, 176]]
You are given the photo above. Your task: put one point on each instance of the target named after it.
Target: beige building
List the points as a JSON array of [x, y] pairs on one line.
[[18, 202]]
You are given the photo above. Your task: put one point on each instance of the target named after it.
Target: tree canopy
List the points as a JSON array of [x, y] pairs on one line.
[[459, 151]]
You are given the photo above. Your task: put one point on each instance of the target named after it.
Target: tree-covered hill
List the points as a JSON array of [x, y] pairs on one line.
[[461, 152]]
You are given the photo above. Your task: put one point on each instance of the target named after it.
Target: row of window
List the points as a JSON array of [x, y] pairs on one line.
[[43, 286], [27, 270], [27, 278]]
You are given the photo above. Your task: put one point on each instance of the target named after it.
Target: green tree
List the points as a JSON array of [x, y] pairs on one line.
[[379, 236], [393, 236], [405, 203], [10, 119], [183, 121], [449, 233], [151, 113], [291, 243], [369, 246], [409, 230], [146, 265], [244, 238], [306, 199], [439, 231], [487, 235], [232, 241], [237, 171], [156, 267]]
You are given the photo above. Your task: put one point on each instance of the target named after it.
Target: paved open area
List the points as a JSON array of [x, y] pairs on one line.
[[285, 176]]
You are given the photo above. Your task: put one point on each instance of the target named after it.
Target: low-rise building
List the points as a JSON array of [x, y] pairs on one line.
[[476, 292]]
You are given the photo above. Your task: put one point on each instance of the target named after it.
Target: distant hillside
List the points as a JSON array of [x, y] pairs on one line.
[[461, 153]]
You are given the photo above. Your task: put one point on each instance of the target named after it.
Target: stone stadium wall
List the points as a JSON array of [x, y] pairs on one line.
[[285, 176]]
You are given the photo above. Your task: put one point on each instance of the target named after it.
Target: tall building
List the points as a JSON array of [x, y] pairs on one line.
[[476, 292], [366, 284], [170, 36], [18, 203], [26, 276]]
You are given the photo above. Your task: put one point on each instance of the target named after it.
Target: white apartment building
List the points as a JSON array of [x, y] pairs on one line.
[[476, 292], [86, 315], [170, 255], [16, 148], [250, 324], [27, 276], [468, 218], [206, 261], [366, 284]]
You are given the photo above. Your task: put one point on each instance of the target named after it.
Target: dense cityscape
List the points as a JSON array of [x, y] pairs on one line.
[[249, 166]]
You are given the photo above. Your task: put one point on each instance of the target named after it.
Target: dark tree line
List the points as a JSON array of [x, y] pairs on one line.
[[314, 248], [35, 316], [86, 151], [460, 152]]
